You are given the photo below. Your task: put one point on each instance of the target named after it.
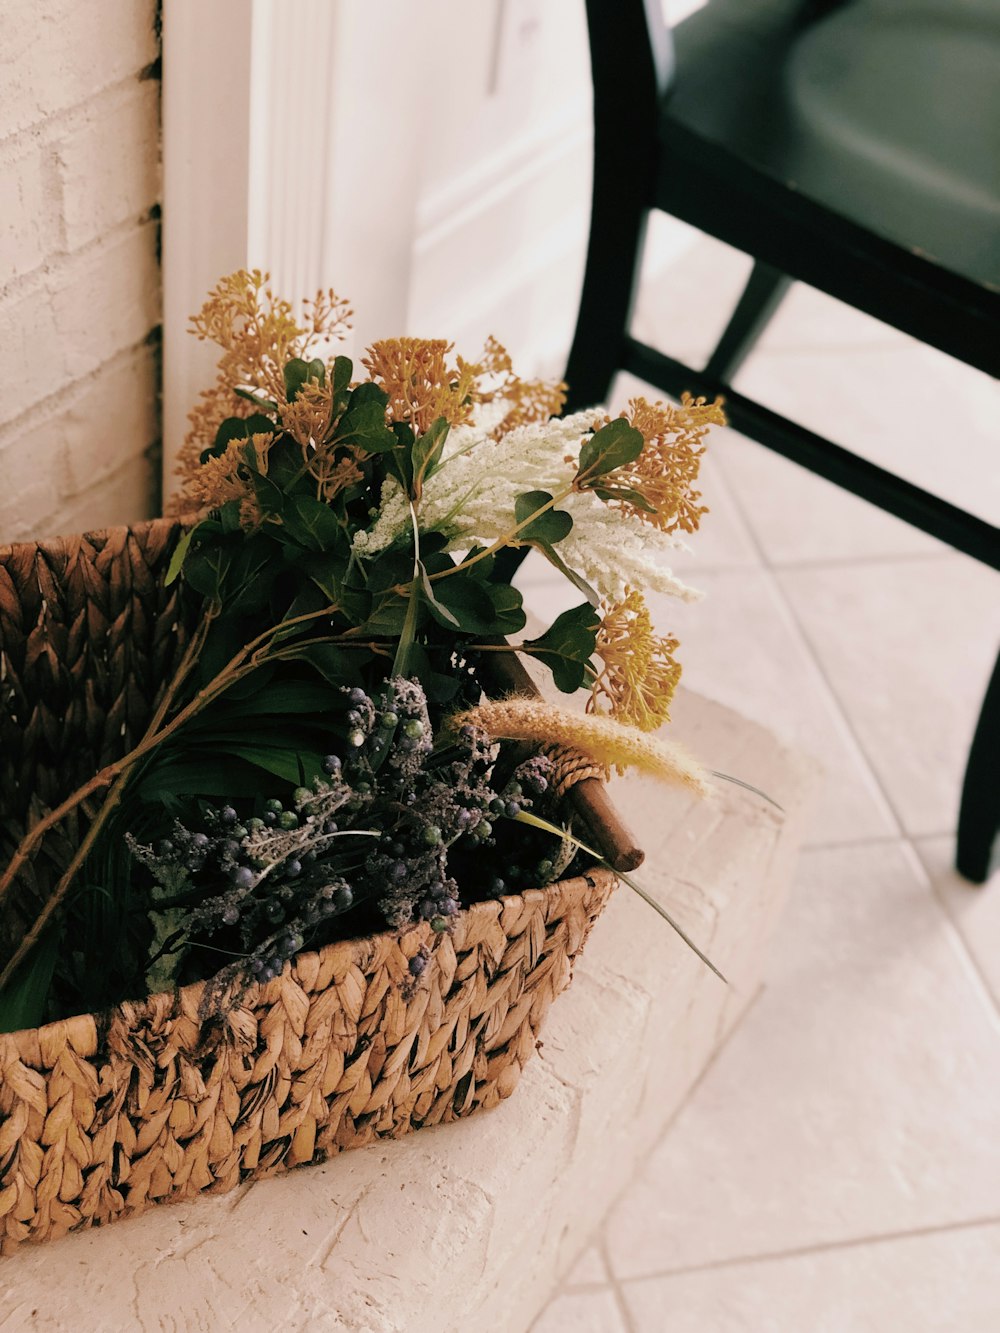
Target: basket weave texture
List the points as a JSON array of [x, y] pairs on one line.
[[103, 1116]]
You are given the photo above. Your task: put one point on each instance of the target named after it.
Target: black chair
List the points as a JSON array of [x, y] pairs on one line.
[[851, 146]]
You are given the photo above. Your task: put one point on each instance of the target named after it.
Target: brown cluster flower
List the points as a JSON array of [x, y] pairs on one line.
[[423, 385], [218, 480], [259, 334], [667, 469], [639, 673]]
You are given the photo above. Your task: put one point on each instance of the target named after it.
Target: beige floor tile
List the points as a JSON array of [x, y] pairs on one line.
[[594, 1311], [939, 1283], [908, 647], [797, 516], [738, 645], [859, 1099], [685, 304], [906, 407], [974, 908], [588, 1271]]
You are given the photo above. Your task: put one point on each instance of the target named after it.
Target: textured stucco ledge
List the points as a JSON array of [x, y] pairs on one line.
[[471, 1224]]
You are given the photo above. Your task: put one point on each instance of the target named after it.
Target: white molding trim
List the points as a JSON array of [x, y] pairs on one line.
[[289, 144], [206, 138]]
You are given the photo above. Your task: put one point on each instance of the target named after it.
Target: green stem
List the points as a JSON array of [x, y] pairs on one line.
[[507, 538]]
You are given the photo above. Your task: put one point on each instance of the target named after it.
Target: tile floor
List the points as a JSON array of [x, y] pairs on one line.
[[837, 1170]]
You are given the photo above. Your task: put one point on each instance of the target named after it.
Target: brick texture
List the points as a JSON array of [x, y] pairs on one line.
[[79, 276]]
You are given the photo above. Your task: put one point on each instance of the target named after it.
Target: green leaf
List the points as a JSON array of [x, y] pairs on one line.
[[22, 1000], [626, 493], [548, 528], [462, 601], [264, 403], [238, 428], [612, 446], [174, 778], [277, 759], [341, 380], [508, 608], [439, 687], [299, 372], [578, 582], [177, 559], [311, 522], [438, 610], [426, 452], [408, 629], [388, 617], [363, 422], [252, 574], [270, 496], [337, 665], [206, 568], [567, 646], [229, 516]]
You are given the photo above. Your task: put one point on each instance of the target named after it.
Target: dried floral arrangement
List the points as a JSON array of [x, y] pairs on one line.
[[324, 761]]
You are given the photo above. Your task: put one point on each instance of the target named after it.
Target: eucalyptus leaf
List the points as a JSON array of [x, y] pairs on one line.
[[298, 373], [463, 601], [627, 494], [614, 445], [238, 428], [311, 522], [508, 608], [567, 646], [363, 421], [343, 369], [548, 528], [577, 580], [206, 568]]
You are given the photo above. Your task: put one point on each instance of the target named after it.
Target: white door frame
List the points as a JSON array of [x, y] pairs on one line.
[[276, 119]]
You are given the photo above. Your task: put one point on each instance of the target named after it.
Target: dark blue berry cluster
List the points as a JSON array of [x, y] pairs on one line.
[[387, 825]]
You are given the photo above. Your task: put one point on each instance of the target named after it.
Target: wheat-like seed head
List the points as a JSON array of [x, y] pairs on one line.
[[601, 739]]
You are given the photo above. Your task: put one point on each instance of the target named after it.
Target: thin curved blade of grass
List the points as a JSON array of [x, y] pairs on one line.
[[748, 786], [525, 817]]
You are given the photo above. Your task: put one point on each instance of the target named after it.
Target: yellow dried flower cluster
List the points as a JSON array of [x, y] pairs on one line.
[[530, 400], [218, 479], [599, 739], [667, 469], [259, 334], [640, 672], [422, 385]]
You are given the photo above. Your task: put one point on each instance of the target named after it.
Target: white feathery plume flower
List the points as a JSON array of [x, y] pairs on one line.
[[471, 499]]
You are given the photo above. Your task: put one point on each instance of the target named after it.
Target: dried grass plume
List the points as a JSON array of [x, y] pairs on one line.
[[599, 739]]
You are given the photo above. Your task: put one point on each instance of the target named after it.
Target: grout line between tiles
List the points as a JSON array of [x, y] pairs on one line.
[[599, 1239], [991, 1000], [796, 624], [838, 844], [788, 566], [615, 1285], [821, 1247]]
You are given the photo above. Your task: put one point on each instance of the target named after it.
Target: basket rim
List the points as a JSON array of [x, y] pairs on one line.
[[83, 1030]]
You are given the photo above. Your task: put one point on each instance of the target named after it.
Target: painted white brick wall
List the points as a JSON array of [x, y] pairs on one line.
[[79, 276]]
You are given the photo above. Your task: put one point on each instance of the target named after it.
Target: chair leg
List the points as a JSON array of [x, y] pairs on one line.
[[613, 261], [979, 814], [761, 297]]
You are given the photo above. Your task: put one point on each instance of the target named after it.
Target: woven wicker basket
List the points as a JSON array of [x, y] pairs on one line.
[[103, 1116]]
